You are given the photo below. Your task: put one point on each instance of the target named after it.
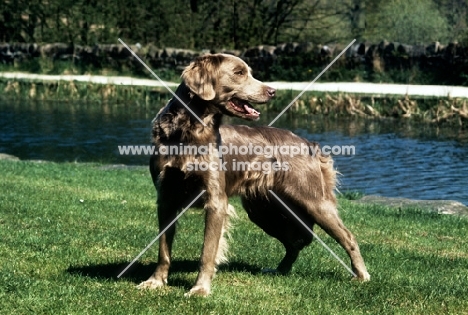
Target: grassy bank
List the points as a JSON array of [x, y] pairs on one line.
[[419, 109], [43, 65], [67, 230], [446, 110], [64, 91], [453, 111]]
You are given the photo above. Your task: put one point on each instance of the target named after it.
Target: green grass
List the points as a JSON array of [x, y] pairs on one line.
[[351, 194], [67, 230]]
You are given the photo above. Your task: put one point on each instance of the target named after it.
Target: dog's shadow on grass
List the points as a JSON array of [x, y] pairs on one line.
[[139, 272]]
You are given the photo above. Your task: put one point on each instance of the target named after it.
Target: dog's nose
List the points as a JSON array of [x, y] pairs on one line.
[[271, 92]]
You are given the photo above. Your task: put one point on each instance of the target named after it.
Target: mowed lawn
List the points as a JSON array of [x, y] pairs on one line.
[[67, 230]]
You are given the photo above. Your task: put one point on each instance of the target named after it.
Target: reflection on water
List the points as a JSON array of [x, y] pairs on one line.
[[392, 158], [73, 131]]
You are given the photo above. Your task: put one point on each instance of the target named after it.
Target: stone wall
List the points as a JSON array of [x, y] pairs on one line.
[[379, 57]]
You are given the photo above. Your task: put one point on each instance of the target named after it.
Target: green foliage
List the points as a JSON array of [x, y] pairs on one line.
[[195, 24], [68, 230], [410, 22], [208, 24]]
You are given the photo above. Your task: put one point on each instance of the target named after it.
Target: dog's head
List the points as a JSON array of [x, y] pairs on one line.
[[226, 81]]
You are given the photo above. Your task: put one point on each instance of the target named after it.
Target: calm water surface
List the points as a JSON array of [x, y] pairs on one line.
[[394, 159]]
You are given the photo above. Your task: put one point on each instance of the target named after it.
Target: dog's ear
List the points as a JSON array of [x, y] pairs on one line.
[[200, 76]]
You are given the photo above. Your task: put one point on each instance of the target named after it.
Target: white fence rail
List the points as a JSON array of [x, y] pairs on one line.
[[375, 89]]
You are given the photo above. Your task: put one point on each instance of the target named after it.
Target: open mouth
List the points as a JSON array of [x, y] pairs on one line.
[[243, 107]]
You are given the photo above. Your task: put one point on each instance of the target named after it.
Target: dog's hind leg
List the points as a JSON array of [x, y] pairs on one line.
[[288, 260], [272, 218], [326, 216]]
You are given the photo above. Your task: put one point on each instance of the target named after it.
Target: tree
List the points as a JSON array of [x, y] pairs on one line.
[[456, 12], [410, 22], [10, 21]]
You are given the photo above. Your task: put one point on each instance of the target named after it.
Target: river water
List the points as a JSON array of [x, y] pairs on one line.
[[392, 158]]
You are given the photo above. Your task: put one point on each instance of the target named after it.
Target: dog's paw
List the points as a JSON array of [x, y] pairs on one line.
[[151, 284], [198, 290], [362, 276]]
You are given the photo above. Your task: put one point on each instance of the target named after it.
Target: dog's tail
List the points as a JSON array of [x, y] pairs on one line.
[[328, 175]]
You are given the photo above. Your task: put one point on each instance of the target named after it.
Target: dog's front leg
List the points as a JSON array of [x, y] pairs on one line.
[[166, 214], [216, 212]]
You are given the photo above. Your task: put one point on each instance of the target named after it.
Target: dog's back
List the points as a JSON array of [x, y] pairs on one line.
[[263, 158]]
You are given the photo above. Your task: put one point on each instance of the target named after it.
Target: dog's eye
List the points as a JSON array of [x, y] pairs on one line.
[[239, 72]]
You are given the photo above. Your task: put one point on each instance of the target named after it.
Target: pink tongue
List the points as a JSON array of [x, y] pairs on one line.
[[251, 111]]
